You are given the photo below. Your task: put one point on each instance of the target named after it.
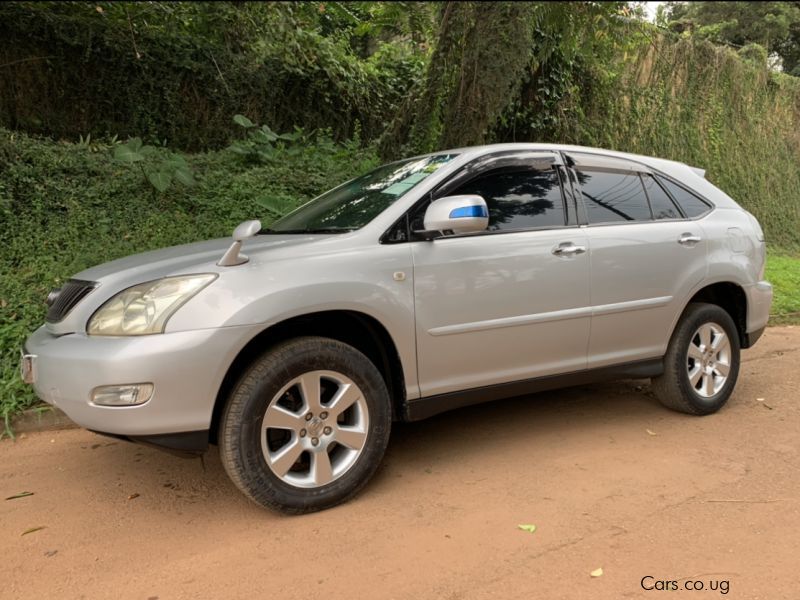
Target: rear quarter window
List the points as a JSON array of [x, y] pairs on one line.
[[662, 205], [691, 205]]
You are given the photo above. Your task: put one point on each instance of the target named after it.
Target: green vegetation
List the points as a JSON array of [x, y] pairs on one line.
[[130, 126], [179, 71], [773, 26], [784, 274], [65, 207]]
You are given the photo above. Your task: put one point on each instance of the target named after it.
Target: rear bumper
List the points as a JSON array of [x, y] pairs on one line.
[[759, 301], [186, 369]]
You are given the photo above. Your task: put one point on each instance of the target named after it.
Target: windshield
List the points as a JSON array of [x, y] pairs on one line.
[[355, 203]]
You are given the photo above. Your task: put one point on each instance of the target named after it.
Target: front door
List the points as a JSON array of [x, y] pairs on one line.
[[508, 304]]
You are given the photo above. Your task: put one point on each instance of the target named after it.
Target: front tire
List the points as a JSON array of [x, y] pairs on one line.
[[702, 362], [306, 426]]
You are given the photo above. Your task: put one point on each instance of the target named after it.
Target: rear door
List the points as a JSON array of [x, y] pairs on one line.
[[645, 258]]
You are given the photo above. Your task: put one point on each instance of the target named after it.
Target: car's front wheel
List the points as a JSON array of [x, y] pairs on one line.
[[702, 361], [306, 426]]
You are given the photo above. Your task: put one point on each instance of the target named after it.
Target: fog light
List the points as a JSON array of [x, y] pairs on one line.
[[122, 395]]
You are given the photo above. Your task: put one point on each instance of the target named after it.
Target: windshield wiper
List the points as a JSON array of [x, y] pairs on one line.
[[295, 231]]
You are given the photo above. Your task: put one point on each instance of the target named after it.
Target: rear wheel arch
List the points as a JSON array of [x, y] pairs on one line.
[[728, 296], [357, 329]]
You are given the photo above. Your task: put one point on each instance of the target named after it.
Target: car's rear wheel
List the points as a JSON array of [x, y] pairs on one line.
[[702, 362], [306, 426]]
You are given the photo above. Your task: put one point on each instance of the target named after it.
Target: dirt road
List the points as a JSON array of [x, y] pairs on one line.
[[610, 479]]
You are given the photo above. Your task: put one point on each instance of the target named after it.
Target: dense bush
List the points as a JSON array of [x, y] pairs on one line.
[[178, 71], [65, 207]]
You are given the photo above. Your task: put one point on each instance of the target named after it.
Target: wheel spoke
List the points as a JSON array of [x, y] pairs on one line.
[[321, 468], [278, 417], [310, 388], [705, 336], [708, 384], [283, 460], [720, 341], [694, 352], [722, 345], [722, 368], [695, 374], [352, 438], [345, 397]]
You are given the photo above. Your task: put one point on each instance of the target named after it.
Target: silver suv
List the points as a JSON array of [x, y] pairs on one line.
[[428, 284]]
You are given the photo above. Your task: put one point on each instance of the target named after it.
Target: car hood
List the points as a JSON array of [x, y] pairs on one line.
[[200, 257], [189, 258]]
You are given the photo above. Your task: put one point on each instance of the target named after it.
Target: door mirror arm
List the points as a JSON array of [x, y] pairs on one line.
[[426, 235]]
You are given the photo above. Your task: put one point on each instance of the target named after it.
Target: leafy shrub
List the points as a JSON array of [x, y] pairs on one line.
[[261, 144], [754, 53], [160, 169]]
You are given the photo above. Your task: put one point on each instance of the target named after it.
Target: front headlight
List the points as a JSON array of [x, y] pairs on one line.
[[146, 308]]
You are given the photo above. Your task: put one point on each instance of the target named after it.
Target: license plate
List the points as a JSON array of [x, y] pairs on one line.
[[27, 367]]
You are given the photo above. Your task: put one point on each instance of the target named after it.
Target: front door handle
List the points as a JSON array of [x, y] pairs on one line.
[[568, 249], [687, 239]]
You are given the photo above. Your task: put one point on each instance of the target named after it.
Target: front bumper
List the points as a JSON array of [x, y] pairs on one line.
[[186, 369]]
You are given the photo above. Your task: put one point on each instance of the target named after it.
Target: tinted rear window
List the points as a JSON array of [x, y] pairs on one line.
[[613, 196], [691, 205], [663, 207]]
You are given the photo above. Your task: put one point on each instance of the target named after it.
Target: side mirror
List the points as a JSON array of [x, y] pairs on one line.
[[243, 231], [457, 214]]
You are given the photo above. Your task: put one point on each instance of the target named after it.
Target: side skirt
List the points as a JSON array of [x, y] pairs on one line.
[[422, 408]]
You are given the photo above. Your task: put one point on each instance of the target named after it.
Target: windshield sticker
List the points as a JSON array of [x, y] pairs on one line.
[[398, 188], [401, 187]]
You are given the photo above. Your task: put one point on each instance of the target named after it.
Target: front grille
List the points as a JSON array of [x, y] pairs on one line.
[[71, 293]]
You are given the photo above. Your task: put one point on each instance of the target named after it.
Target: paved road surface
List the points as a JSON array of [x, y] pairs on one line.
[[711, 499]]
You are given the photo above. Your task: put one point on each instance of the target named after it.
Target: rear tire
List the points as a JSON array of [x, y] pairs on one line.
[[702, 362], [306, 426]]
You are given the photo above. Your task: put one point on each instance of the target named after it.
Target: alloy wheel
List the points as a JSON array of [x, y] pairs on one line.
[[708, 359], [314, 429]]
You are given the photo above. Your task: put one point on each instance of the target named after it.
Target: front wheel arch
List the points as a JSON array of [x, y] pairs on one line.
[[359, 330]]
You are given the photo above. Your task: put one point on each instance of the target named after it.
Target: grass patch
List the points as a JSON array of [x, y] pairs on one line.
[[783, 272]]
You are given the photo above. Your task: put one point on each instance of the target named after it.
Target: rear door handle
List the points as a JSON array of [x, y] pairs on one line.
[[687, 239], [568, 249]]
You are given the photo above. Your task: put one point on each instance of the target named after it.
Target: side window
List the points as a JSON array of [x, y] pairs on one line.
[[692, 205], [661, 204], [519, 199], [613, 196]]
